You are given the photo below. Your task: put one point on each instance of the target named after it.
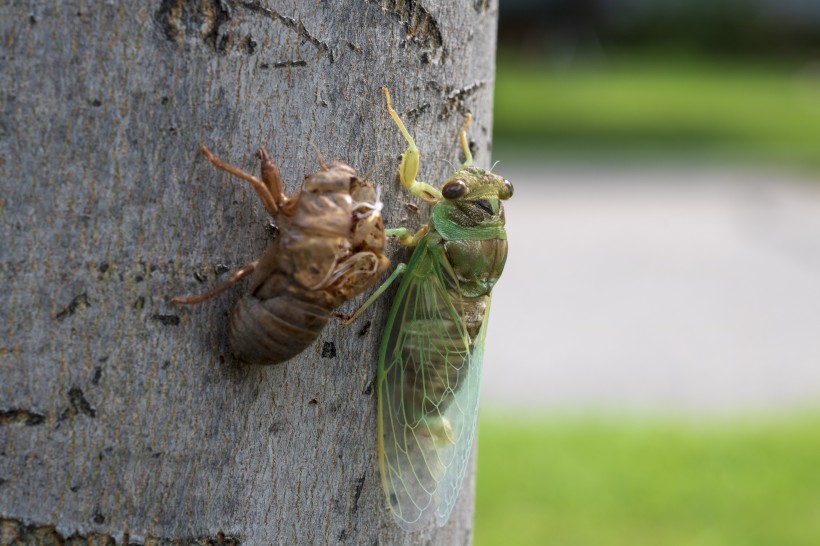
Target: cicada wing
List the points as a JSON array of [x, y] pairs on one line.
[[462, 415], [428, 385]]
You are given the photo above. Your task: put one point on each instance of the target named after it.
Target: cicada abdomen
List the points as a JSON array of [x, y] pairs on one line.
[[329, 248]]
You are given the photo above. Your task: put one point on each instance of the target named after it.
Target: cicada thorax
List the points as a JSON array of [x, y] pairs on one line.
[[329, 249]]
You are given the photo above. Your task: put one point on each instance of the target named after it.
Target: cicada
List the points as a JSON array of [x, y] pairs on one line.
[[329, 248], [432, 347]]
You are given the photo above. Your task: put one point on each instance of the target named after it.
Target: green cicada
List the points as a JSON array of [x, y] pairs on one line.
[[433, 344]]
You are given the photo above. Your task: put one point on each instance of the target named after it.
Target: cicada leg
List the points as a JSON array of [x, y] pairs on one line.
[[465, 146], [405, 237], [260, 187], [376, 293], [409, 167], [236, 276], [273, 180]]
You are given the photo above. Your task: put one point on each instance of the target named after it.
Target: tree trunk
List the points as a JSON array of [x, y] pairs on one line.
[[122, 416]]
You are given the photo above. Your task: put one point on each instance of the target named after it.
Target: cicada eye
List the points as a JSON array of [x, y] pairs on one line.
[[454, 189], [507, 191]]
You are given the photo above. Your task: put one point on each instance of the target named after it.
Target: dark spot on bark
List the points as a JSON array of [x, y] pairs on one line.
[[21, 417], [156, 455], [102, 359], [98, 518], [365, 329], [138, 278], [166, 364], [79, 302], [264, 66], [250, 45], [139, 303], [32, 19], [417, 111], [368, 389], [328, 350], [473, 148], [103, 267], [166, 320], [182, 21], [96, 103], [97, 376], [421, 28], [164, 100], [77, 403], [74, 488], [357, 492], [172, 130], [295, 25], [221, 268], [313, 401], [454, 99], [272, 230], [342, 536], [276, 427], [285, 64]]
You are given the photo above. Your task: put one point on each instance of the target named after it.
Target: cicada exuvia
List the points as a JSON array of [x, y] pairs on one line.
[[328, 249], [432, 346]]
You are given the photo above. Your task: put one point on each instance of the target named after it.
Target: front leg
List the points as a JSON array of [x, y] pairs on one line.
[[260, 187], [409, 167], [406, 237], [273, 180]]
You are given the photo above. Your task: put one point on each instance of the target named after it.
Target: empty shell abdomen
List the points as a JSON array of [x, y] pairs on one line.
[[275, 329]]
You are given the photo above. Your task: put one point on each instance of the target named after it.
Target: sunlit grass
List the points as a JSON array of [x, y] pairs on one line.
[[661, 105], [586, 482]]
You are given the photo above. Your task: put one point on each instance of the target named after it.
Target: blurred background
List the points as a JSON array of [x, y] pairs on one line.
[[652, 369]]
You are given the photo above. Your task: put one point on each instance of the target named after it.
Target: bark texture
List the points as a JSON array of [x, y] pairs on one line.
[[122, 416]]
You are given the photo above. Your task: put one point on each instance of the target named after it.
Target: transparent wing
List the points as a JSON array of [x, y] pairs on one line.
[[428, 379]]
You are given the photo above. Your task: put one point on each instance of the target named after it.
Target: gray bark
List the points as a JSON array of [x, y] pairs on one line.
[[122, 416]]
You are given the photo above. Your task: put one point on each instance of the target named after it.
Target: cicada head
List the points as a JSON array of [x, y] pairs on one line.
[[472, 198]]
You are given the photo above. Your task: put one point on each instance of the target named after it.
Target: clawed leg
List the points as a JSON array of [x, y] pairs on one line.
[[409, 167], [405, 237], [261, 188], [236, 276], [273, 179], [468, 155]]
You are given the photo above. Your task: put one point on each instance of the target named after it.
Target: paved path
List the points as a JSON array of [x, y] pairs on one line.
[[657, 290]]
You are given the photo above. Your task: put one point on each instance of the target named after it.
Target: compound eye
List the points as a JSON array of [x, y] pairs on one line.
[[454, 189], [507, 191]]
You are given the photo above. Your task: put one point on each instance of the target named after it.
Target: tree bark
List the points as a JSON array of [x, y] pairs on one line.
[[122, 416]]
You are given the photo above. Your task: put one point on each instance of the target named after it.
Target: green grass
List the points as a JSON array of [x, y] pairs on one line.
[[587, 482], [661, 105]]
